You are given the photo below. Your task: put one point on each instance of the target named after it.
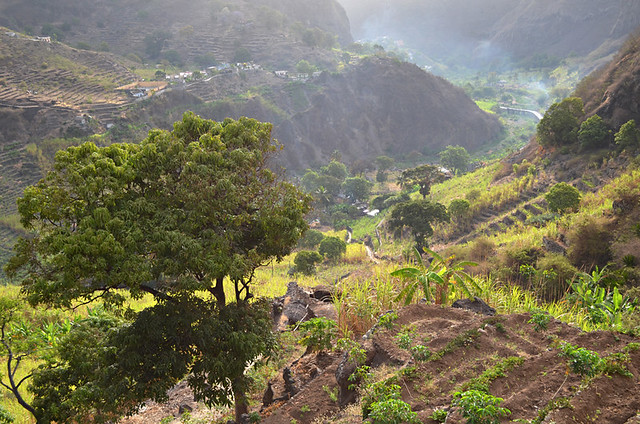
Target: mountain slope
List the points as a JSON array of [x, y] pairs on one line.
[[380, 106], [613, 92], [494, 31], [273, 31]]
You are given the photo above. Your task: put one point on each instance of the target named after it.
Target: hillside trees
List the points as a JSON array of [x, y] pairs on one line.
[[593, 133], [183, 212], [560, 123], [562, 197], [628, 136], [424, 176], [455, 158], [418, 216]]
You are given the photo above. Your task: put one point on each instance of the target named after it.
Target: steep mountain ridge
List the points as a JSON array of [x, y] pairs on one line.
[[487, 32], [613, 92]]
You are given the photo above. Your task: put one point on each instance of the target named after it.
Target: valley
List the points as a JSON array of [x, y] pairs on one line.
[[230, 211]]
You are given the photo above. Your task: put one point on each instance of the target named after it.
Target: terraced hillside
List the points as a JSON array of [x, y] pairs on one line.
[[35, 71], [272, 31]]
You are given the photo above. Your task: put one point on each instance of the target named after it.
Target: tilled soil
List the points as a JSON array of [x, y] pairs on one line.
[[471, 344]]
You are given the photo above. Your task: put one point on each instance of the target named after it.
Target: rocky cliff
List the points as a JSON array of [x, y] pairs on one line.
[[613, 92]]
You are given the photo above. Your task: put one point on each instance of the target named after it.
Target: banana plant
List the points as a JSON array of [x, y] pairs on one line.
[[436, 280]]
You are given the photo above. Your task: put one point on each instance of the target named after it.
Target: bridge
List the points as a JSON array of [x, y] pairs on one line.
[[516, 111]]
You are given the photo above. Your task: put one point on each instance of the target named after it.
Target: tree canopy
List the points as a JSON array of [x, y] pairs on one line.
[[455, 158], [560, 123], [628, 136], [178, 214], [563, 196], [418, 216], [593, 133], [424, 176]]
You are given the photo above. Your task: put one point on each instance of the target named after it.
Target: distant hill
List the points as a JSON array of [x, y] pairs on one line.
[[613, 92], [490, 32], [380, 106], [277, 32]]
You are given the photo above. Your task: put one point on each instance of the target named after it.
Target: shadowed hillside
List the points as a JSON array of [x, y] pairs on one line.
[[613, 92]]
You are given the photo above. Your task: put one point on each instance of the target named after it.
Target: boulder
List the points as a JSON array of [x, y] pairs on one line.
[[553, 246], [476, 305]]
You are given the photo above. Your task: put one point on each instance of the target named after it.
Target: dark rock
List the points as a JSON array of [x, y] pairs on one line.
[[267, 397], [184, 408], [553, 246], [520, 216], [476, 305], [346, 368], [290, 385]]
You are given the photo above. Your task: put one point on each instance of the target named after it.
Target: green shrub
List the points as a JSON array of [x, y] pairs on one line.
[[459, 208], [439, 415], [317, 333], [420, 353], [392, 411], [580, 360], [540, 320], [332, 248], [562, 197], [479, 407], [305, 262], [593, 133], [590, 243], [311, 239], [553, 276], [629, 261]]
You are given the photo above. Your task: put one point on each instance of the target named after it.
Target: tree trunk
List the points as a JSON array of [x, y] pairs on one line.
[[241, 401], [218, 292]]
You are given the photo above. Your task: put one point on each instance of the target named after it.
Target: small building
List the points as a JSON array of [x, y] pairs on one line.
[[143, 88], [45, 39]]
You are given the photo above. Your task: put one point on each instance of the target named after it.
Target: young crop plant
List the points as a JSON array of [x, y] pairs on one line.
[[382, 404], [580, 360], [420, 353], [387, 320], [405, 337], [540, 320], [482, 382], [392, 411], [480, 407], [317, 334], [439, 415]]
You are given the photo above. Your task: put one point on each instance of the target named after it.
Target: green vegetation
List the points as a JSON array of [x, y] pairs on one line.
[[305, 262], [99, 214], [332, 248], [455, 158], [317, 334], [480, 407], [560, 124], [562, 197]]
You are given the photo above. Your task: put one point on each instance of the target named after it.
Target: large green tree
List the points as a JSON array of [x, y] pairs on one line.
[[418, 216], [182, 213], [628, 136], [594, 133]]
